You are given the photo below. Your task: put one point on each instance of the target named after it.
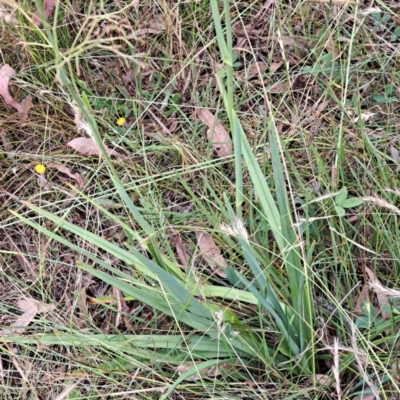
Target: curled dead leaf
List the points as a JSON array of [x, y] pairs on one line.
[[88, 147], [5, 73], [216, 134], [211, 253], [78, 178]]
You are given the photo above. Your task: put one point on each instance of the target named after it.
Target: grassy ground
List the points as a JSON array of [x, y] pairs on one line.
[[294, 295]]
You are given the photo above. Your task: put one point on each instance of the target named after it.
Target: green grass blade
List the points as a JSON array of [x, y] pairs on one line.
[[225, 53], [131, 258]]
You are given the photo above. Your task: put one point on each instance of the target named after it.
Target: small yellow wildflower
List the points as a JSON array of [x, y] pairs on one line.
[[40, 169], [120, 121]]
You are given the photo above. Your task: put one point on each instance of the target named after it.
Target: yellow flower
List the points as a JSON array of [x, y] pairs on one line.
[[120, 121], [40, 169]]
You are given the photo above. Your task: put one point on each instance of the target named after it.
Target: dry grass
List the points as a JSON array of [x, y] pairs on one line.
[[319, 65]]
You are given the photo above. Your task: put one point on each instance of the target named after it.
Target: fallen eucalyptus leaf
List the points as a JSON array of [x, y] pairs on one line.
[[88, 147]]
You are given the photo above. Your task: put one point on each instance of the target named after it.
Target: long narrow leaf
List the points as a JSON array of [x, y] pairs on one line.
[[225, 53], [300, 294], [131, 258], [264, 194]]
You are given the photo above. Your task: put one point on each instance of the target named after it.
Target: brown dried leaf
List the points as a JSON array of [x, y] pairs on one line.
[[248, 31], [5, 73], [278, 87], [395, 154], [322, 379], [30, 307], [275, 65], [381, 296], [88, 147], [48, 7], [26, 104], [211, 253], [78, 178], [292, 42], [255, 69], [180, 251], [216, 134], [212, 371], [172, 124], [321, 107]]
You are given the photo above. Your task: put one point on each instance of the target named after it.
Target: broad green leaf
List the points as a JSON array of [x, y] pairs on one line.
[[369, 310], [389, 89], [341, 196], [352, 202], [362, 322], [383, 99], [340, 211]]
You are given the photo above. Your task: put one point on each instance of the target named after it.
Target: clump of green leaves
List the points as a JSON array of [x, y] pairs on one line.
[[342, 202], [386, 98], [383, 21]]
